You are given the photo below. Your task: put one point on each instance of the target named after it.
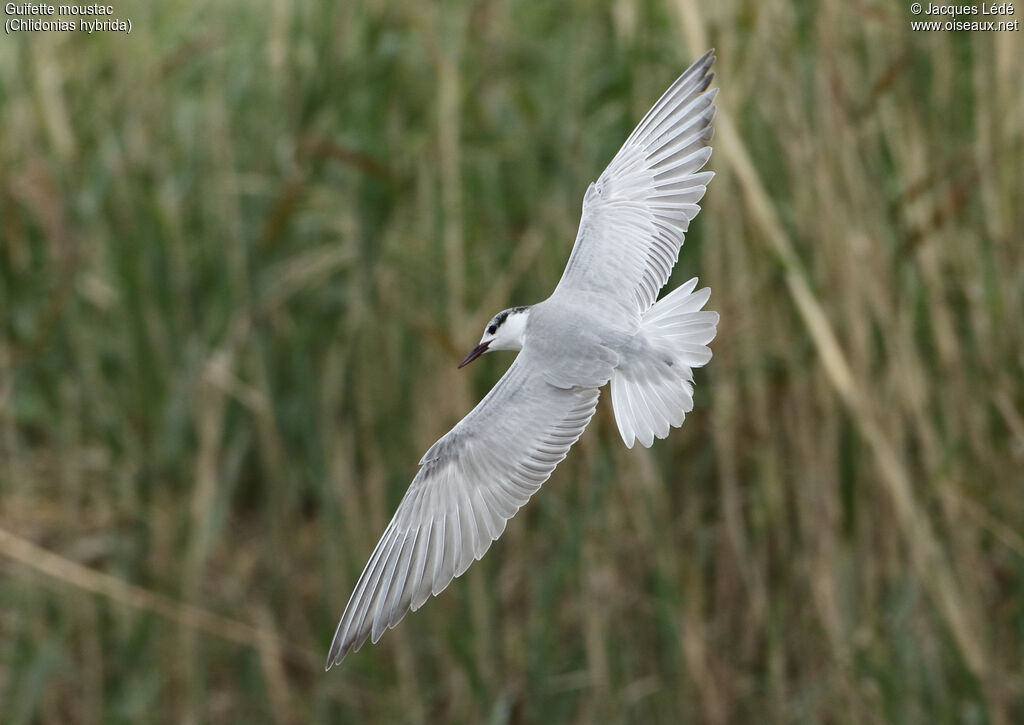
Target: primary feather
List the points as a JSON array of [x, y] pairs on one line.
[[636, 214]]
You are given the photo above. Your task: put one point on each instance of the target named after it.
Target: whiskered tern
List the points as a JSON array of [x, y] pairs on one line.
[[604, 322]]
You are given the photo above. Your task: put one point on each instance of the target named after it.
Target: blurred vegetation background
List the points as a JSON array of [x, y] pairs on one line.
[[243, 248]]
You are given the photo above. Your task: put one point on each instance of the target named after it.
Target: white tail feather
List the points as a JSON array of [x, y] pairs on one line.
[[652, 390]]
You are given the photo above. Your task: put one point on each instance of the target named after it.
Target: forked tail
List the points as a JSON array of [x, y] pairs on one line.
[[652, 389]]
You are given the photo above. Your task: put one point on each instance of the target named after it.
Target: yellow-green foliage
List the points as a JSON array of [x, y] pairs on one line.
[[243, 248]]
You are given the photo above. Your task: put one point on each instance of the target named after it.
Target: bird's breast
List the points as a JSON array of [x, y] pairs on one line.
[[573, 343]]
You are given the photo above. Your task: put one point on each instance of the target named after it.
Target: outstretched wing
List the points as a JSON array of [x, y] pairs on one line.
[[636, 214], [472, 481]]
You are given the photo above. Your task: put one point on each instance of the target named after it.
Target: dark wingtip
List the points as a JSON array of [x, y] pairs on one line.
[[707, 59], [336, 655], [701, 68]]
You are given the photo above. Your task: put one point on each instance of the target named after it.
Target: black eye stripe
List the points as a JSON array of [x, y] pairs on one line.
[[500, 318]]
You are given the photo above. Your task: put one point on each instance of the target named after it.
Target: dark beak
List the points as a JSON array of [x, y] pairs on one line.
[[477, 352]]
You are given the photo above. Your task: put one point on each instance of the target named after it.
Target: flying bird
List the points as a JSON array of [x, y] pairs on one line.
[[603, 323]]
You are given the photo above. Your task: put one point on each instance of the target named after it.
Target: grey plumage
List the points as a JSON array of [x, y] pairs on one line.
[[601, 323]]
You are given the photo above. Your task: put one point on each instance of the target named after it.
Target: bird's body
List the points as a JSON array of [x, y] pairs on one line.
[[574, 341], [603, 323]]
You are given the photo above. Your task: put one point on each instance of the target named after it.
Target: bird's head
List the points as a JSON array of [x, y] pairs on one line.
[[504, 332]]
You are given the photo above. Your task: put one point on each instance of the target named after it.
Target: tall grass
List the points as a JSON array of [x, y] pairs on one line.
[[242, 249]]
